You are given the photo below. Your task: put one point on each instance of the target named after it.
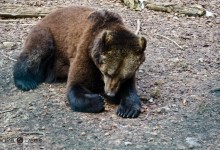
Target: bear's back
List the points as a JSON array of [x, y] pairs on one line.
[[65, 17], [73, 25], [67, 25]]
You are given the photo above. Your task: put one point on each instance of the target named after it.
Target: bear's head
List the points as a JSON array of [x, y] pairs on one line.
[[117, 54]]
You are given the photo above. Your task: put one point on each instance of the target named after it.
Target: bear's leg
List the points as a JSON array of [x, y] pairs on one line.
[[36, 59], [82, 100], [130, 105]]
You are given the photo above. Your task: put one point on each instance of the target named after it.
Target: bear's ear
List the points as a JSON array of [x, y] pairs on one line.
[[143, 43], [107, 37], [95, 16], [104, 16]]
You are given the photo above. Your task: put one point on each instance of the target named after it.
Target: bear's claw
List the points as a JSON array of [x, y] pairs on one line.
[[128, 111]]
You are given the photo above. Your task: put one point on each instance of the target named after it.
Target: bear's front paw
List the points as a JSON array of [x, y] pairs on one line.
[[91, 103], [129, 111], [25, 84], [94, 103]]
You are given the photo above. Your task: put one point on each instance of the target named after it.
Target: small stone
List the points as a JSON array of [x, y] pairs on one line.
[[153, 133], [83, 134], [8, 45], [201, 60], [107, 134], [176, 18], [31, 104], [209, 14], [163, 110], [184, 102], [8, 129], [30, 108], [140, 71], [128, 143], [180, 147], [151, 140], [71, 128], [18, 129], [151, 100], [43, 128], [173, 105], [175, 60], [176, 110], [193, 142]]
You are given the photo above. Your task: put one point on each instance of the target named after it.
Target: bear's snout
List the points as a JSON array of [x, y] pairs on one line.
[[111, 86]]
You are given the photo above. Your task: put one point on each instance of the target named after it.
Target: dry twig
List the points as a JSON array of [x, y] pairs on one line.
[[190, 10], [138, 27], [2, 112], [9, 21], [170, 40]]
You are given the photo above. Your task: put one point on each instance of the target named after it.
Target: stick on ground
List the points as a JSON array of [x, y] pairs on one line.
[[138, 27], [2, 112], [170, 40]]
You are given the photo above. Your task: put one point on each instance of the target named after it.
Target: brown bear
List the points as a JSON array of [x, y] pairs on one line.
[[92, 49]]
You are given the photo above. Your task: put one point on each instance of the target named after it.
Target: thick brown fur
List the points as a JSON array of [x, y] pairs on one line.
[[93, 50]]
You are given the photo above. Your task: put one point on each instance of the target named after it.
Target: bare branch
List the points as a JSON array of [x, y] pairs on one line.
[[138, 27], [2, 112], [170, 40]]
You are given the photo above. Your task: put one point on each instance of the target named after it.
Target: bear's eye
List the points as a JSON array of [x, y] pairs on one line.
[[101, 62]]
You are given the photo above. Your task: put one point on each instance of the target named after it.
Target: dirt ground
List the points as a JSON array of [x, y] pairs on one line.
[[179, 110]]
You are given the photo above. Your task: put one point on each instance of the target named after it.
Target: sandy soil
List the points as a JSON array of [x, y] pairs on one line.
[[179, 111]]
